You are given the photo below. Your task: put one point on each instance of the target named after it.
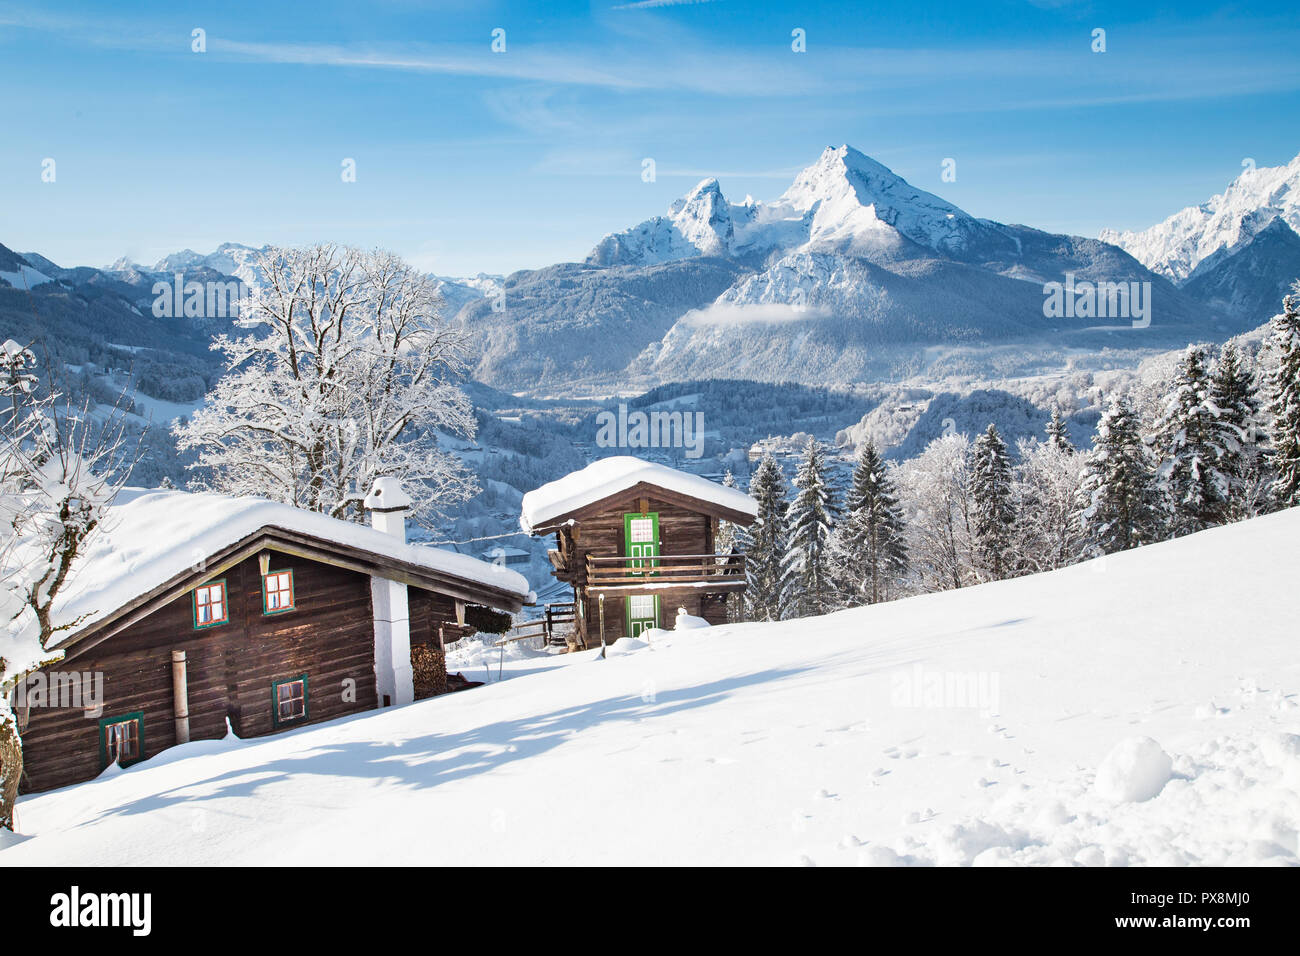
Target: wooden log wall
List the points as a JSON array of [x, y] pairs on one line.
[[231, 667]]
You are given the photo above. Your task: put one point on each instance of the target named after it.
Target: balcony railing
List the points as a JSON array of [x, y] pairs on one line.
[[624, 572]]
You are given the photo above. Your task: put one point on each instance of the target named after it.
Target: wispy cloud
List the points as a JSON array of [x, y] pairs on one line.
[[653, 4]]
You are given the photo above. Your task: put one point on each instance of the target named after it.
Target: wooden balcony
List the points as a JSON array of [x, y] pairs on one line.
[[613, 574]]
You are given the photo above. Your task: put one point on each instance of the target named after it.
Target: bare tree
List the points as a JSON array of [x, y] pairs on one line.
[[60, 467], [347, 374]]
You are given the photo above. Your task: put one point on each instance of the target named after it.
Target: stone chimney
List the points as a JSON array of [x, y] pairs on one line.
[[394, 680]]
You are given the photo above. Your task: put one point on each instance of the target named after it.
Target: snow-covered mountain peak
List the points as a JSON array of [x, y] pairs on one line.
[[848, 197], [1227, 222], [844, 202]]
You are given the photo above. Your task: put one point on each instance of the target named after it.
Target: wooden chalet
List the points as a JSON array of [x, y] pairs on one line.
[[201, 614], [636, 541]]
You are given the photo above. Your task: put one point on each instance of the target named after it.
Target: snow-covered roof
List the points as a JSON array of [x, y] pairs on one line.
[[151, 537], [610, 476]]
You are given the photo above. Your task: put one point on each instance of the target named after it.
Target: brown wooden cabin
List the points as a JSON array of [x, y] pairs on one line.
[[287, 625], [640, 536]]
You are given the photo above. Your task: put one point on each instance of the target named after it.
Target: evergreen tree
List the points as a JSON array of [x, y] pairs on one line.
[[1234, 399], [809, 520], [765, 543], [728, 540], [1120, 505], [1185, 440], [868, 552], [1057, 434], [993, 514], [1284, 402]]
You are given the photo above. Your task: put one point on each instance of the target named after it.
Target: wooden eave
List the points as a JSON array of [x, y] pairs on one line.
[[295, 544], [628, 496]]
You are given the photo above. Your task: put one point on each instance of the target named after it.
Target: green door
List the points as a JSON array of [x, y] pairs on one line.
[[642, 613], [641, 538]]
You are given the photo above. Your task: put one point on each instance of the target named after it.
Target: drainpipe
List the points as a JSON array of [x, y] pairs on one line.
[[180, 697]]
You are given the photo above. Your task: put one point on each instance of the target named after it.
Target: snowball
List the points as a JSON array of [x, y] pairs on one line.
[[1136, 770]]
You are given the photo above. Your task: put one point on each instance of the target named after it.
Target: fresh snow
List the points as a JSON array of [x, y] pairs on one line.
[[25, 277], [149, 537], [837, 740], [609, 476]]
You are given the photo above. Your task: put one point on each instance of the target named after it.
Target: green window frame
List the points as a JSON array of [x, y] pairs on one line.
[[267, 592], [136, 717], [225, 603], [276, 719]]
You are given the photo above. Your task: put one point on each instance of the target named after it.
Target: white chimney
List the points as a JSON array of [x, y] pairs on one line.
[[388, 505], [394, 680]]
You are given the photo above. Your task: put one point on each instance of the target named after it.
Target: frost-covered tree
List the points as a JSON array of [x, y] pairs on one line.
[[765, 544], [1237, 431], [1046, 493], [934, 488], [993, 512], [809, 522], [1284, 401], [59, 468], [1186, 444], [868, 550], [1120, 502], [345, 374], [1057, 434]]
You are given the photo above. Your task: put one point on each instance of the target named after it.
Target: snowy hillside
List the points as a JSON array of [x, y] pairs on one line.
[[1006, 723], [1174, 248]]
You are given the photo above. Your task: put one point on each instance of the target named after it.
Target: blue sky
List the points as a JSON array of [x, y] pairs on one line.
[[469, 160]]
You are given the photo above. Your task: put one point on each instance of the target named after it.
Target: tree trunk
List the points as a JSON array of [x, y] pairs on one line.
[[11, 766]]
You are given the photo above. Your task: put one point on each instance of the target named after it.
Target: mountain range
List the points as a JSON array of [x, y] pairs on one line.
[[852, 274], [1238, 252]]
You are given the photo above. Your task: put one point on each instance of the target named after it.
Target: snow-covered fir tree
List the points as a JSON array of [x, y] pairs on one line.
[[993, 512], [809, 522], [1120, 502], [1047, 486], [727, 541], [1057, 434], [1284, 401], [868, 550], [764, 543], [726, 537], [1186, 445], [1237, 431], [346, 374]]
